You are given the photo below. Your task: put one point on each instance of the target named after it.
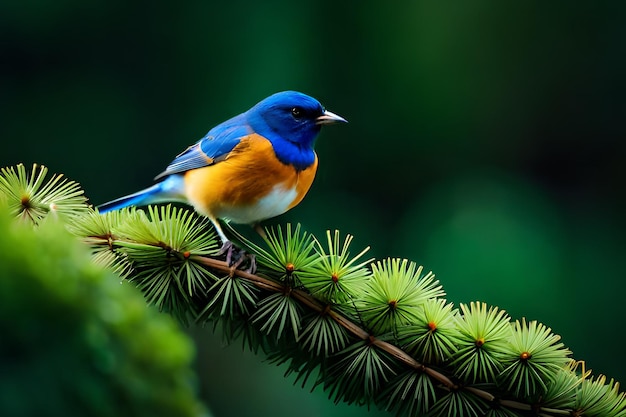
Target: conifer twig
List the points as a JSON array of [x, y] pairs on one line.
[[355, 329]]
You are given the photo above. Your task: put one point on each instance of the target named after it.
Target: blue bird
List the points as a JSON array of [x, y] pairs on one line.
[[250, 168]]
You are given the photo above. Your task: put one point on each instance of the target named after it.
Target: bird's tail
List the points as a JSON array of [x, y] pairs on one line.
[[170, 189]]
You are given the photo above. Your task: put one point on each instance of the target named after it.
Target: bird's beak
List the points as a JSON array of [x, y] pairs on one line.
[[329, 118]]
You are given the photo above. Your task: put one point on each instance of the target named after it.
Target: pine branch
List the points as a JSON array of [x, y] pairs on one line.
[[472, 376], [375, 331]]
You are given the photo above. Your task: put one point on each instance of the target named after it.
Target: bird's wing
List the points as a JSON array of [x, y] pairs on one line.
[[212, 148]]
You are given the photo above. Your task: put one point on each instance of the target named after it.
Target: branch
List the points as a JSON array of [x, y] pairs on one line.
[[378, 331]]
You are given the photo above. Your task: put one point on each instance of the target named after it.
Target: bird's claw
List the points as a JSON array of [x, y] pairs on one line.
[[235, 257], [227, 249]]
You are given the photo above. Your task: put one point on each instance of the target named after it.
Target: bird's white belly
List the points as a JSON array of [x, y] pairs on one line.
[[273, 204]]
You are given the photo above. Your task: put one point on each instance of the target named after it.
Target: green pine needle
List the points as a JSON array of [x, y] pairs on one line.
[[482, 342], [431, 339], [231, 296], [358, 373], [323, 336], [96, 230], [288, 253], [410, 393], [278, 312], [173, 229], [502, 412], [598, 398], [161, 247], [32, 197], [337, 277], [458, 403], [393, 295], [163, 287], [156, 251], [561, 391], [533, 357]]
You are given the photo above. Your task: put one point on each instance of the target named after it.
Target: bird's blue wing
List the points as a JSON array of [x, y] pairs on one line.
[[212, 148]]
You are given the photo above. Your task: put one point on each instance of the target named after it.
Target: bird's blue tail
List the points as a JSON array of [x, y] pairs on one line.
[[170, 189]]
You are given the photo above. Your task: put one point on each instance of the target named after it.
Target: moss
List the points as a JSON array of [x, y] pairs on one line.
[[76, 341]]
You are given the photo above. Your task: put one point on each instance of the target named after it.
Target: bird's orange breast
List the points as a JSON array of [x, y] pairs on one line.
[[250, 185]]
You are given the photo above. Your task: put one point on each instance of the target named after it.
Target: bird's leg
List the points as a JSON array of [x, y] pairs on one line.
[[241, 257], [227, 245], [234, 256], [259, 229], [227, 249], [252, 263]]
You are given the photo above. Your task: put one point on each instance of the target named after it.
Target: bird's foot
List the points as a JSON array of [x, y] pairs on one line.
[[235, 257]]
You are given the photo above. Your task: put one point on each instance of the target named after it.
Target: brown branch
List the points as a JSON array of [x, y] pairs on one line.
[[353, 328], [314, 304]]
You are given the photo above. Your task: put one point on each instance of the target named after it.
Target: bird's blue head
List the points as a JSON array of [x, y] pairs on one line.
[[291, 121]]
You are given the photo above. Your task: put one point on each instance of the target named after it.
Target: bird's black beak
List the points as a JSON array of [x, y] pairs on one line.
[[329, 118]]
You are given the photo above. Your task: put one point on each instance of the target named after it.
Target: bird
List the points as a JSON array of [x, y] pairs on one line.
[[252, 167]]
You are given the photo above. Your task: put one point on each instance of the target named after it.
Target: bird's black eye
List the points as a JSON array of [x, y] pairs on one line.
[[297, 112]]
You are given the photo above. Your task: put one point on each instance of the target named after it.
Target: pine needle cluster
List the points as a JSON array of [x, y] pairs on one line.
[[368, 332]]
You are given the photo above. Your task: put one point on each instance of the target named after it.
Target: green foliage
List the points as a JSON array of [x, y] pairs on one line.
[[154, 250], [323, 336], [233, 297], [459, 403], [288, 253], [367, 332], [31, 197], [394, 294], [411, 393], [358, 373], [76, 342], [432, 337], [533, 360], [598, 398], [562, 389], [337, 278], [482, 342], [277, 313]]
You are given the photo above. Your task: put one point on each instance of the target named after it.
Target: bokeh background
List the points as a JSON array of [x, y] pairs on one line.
[[486, 140]]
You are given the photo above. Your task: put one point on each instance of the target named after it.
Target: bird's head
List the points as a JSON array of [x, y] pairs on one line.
[[291, 116]]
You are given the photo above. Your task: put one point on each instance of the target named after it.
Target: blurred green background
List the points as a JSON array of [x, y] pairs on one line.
[[486, 140]]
